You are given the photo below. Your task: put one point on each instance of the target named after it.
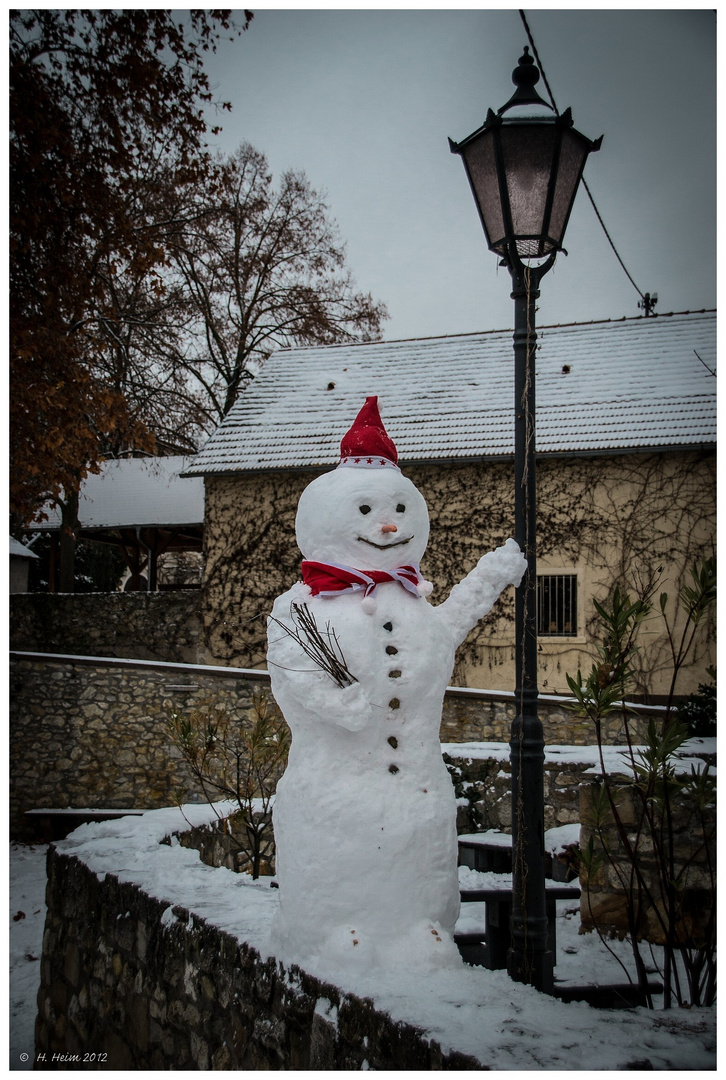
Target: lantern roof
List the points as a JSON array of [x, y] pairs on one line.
[[524, 173]]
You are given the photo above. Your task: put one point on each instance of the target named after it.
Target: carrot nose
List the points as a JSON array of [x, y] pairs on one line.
[[388, 528]]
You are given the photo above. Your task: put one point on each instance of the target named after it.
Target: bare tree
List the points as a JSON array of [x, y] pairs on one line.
[[144, 324], [263, 268]]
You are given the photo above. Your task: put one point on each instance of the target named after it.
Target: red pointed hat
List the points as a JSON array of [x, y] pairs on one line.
[[367, 444]]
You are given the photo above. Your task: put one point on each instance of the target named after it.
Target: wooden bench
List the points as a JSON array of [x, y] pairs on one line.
[[606, 996], [489, 851], [490, 948], [492, 851], [53, 823]]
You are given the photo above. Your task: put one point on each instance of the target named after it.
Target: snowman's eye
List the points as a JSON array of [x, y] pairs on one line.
[[364, 509], [400, 509]]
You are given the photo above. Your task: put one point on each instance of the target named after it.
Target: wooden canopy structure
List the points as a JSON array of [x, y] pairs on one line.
[[143, 507]]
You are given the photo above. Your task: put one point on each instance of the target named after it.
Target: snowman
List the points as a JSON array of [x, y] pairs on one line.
[[365, 814]]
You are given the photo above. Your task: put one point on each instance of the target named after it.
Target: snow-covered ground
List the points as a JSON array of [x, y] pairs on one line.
[[473, 1010], [27, 919]]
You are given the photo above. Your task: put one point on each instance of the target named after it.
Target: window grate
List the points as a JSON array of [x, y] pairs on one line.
[[557, 605]]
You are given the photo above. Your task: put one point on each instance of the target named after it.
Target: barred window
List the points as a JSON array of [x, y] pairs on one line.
[[557, 605]]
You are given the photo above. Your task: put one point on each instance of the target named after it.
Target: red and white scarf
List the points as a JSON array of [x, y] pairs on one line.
[[330, 579]]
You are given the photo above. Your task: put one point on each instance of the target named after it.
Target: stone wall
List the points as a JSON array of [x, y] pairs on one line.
[[140, 625], [93, 734], [486, 716], [692, 832], [90, 732], [124, 986], [483, 786], [226, 842]]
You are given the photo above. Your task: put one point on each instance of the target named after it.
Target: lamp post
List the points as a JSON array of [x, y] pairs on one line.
[[524, 172]]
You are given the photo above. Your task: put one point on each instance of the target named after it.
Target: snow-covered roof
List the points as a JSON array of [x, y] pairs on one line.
[[136, 491], [631, 384], [20, 550]]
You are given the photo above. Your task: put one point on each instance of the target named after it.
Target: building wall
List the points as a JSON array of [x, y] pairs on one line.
[[607, 520]]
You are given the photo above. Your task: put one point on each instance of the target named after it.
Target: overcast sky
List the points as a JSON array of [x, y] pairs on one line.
[[363, 101]]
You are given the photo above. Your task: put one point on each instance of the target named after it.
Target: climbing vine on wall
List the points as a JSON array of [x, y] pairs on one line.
[[621, 517], [251, 556]]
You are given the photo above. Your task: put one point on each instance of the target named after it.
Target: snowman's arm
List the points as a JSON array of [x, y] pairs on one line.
[[304, 691], [475, 596]]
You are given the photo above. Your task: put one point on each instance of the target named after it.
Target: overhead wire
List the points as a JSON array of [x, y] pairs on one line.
[[584, 181]]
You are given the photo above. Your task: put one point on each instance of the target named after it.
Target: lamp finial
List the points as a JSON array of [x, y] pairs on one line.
[[525, 77], [526, 73]]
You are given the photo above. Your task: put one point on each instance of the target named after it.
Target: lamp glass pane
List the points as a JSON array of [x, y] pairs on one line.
[[527, 152], [482, 169], [572, 160]]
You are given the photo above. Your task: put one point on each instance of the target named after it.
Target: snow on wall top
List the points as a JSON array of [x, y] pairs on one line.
[[136, 491], [632, 384]]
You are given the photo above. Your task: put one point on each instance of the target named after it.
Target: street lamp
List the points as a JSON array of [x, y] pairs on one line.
[[524, 172]]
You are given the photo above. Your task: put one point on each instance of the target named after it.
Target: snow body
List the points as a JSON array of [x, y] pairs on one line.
[[365, 815]]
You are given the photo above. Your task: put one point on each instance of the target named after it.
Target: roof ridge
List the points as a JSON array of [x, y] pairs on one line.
[[502, 330]]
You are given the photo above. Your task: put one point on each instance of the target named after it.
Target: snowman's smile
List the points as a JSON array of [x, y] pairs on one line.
[[384, 547]]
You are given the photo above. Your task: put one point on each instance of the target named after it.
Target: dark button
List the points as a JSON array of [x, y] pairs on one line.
[[388, 626], [393, 768], [391, 650], [394, 703], [393, 741], [394, 674]]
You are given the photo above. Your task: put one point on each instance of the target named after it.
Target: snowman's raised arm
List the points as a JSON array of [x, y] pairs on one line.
[[475, 596], [302, 689]]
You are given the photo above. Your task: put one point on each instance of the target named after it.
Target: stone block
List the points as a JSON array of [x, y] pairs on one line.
[[322, 1044], [238, 1030], [221, 1058], [119, 1054], [138, 1021], [208, 988], [141, 940], [125, 935], [59, 993], [199, 1051], [171, 1046], [504, 814], [607, 910], [156, 1030], [175, 1013], [191, 1015], [78, 1019]]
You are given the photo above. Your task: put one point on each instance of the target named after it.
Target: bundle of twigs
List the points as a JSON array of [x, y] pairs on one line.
[[322, 646]]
